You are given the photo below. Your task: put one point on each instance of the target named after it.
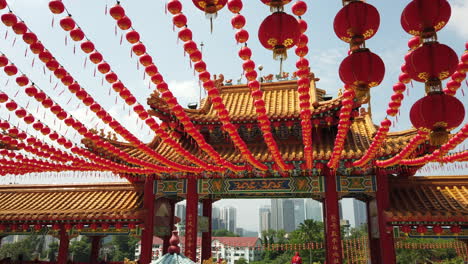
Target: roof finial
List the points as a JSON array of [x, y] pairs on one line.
[[174, 243]]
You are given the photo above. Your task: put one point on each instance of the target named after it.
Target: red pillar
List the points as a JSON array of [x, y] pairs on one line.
[[380, 235], [332, 220], [147, 234], [95, 247], [171, 227], [206, 236], [191, 220], [63, 247]]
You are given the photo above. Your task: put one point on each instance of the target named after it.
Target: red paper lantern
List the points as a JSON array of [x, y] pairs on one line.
[[139, 49], [95, 57], [431, 61], [3, 60], [437, 229], [455, 229], [151, 70], [438, 113], [20, 28], [9, 19], [276, 5], [10, 70], [117, 12], [421, 229], [241, 36], [185, 34], [245, 53], [146, 60], [235, 6], [174, 7], [210, 7], [279, 32], [103, 67], [179, 20], [425, 17], [56, 6], [77, 34], [405, 229], [67, 23], [356, 22], [124, 23], [36, 47], [299, 8], [22, 80], [87, 46], [52, 65], [132, 37], [111, 77], [363, 70], [45, 56]]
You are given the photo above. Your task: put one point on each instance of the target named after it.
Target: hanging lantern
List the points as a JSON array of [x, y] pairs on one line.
[[279, 32], [132, 37], [235, 6], [77, 34], [299, 8], [174, 7], [56, 6], [356, 22], [276, 5], [421, 230], [20, 28], [425, 17], [67, 23], [124, 23], [9, 19], [362, 69], [405, 229], [117, 11], [455, 229], [210, 7], [10, 70], [438, 113], [431, 63], [437, 229]]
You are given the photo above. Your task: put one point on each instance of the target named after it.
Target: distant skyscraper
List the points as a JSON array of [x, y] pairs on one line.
[[360, 212], [299, 212], [289, 222], [277, 214], [216, 219], [265, 218], [229, 216], [180, 212], [313, 209]]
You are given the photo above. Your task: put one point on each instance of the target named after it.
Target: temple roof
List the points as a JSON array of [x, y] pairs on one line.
[[120, 201], [281, 101], [438, 198], [359, 139]]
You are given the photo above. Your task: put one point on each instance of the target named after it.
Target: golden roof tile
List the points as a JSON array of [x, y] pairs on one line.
[[119, 201]]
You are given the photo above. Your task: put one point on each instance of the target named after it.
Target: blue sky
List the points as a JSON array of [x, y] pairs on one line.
[[220, 53]]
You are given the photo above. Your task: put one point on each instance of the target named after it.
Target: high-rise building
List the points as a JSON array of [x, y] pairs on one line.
[[180, 211], [277, 214], [360, 213], [265, 218], [313, 210], [229, 216], [216, 218], [299, 212], [289, 222]]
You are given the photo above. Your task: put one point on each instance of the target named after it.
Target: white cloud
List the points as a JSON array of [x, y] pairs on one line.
[[185, 91], [459, 21]]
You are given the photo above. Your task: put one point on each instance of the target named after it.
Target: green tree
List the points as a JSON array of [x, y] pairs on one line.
[[80, 250], [224, 233], [310, 232], [241, 261], [123, 247], [27, 248], [52, 251], [411, 255]]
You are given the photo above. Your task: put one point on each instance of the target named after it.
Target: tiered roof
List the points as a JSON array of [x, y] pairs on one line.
[[282, 104], [442, 198], [37, 203]]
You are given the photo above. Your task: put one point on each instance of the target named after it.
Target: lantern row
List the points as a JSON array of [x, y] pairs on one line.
[[124, 23], [87, 46], [11, 105], [79, 92], [442, 151], [190, 47]]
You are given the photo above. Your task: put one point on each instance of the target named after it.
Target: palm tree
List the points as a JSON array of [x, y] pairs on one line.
[[311, 231]]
